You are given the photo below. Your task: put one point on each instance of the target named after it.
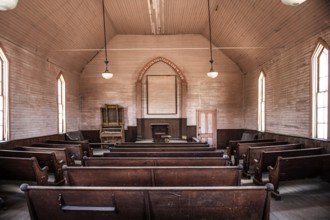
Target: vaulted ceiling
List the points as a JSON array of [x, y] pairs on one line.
[[250, 32]]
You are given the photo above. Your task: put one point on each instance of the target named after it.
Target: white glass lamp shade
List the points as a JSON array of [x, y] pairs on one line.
[[292, 2], [107, 75], [7, 4], [212, 74]]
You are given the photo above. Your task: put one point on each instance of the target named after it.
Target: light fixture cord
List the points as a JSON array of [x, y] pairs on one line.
[[210, 34], [105, 38]]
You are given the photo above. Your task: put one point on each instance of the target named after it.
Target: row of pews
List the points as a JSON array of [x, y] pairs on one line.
[[143, 181], [282, 161]]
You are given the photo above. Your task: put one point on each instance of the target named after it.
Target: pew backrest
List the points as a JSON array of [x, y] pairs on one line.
[[86, 148], [44, 159], [165, 154], [242, 148], [61, 153], [232, 146], [255, 152], [157, 145], [153, 176], [75, 150], [155, 161], [27, 169], [161, 149], [268, 158], [140, 203]]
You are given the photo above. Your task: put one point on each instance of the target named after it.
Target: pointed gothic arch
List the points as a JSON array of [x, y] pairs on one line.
[[143, 72]]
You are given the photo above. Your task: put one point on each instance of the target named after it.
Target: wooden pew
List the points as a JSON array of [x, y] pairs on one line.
[[155, 161], [243, 147], [87, 150], [27, 169], [291, 168], [75, 150], [140, 203], [165, 154], [151, 145], [268, 158], [61, 153], [153, 176], [232, 147], [255, 152], [44, 159], [161, 149]]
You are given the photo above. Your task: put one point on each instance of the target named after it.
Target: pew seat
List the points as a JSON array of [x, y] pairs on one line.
[[153, 176], [291, 168], [155, 161], [268, 158], [44, 159], [140, 203], [25, 169]]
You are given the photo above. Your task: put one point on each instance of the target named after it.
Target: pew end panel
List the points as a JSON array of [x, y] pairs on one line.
[[268, 158], [254, 153], [140, 203], [291, 168], [45, 159], [26, 169]]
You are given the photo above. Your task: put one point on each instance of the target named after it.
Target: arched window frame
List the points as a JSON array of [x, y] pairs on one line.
[[61, 104], [261, 102], [320, 87], [4, 116]]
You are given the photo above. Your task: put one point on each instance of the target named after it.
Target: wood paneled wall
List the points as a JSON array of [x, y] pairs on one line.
[[223, 93], [33, 94], [288, 90]]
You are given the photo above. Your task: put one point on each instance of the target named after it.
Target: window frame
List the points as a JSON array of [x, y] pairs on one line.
[[262, 102], [4, 74], [320, 47], [61, 104]]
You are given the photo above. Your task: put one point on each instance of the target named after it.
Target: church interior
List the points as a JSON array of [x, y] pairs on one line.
[[182, 109]]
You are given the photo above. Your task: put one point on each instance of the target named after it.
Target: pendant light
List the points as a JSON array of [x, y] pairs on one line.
[[293, 2], [212, 73], [6, 5], [106, 74]]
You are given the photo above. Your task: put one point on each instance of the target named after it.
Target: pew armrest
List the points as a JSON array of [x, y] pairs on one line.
[[269, 168]]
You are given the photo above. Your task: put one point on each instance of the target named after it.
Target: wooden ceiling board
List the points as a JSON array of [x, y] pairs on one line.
[[62, 30]]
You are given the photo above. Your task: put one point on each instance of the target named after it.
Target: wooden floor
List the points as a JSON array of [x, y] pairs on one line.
[[307, 199]]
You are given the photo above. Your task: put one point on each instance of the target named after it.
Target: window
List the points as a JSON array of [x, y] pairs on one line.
[[320, 72], [4, 128], [61, 104], [261, 102]]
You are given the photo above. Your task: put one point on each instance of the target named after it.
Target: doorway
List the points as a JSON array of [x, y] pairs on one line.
[[207, 126]]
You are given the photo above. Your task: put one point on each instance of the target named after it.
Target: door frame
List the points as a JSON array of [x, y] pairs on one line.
[[214, 123]]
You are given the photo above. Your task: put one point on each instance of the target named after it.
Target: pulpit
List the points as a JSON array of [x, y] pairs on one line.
[[112, 124], [159, 132]]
